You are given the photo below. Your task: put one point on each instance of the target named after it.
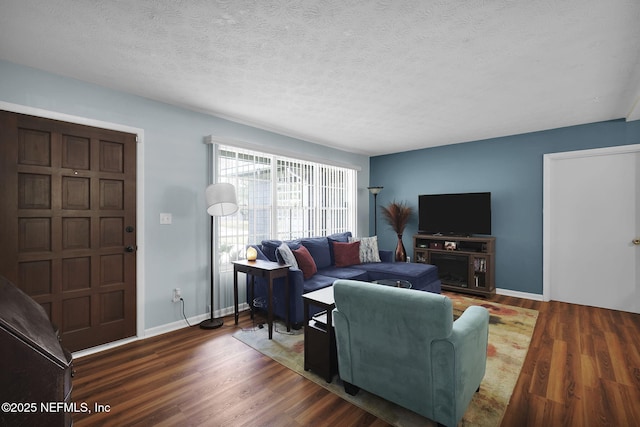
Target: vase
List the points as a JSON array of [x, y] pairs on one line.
[[401, 254]]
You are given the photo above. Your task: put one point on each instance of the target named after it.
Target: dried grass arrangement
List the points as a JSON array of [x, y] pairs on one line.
[[397, 214]]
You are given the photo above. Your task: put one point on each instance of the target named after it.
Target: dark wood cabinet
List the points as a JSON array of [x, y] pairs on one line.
[[35, 370], [465, 264]]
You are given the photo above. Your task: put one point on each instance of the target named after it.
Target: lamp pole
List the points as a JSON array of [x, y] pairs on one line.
[[375, 191], [221, 201]]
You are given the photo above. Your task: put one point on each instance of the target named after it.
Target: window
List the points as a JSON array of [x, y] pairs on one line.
[[282, 198]]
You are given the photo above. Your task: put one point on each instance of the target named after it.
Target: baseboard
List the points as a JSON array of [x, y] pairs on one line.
[[518, 294], [103, 347], [173, 326], [148, 333], [158, 330]]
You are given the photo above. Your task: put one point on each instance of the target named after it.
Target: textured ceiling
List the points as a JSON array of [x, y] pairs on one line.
[[371, 77]]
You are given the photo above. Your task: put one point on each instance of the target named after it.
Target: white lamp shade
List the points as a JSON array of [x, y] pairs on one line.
[[221, 199], [375, 190]]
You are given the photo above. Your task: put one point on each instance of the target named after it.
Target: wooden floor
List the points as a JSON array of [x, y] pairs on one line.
[[582, 369]]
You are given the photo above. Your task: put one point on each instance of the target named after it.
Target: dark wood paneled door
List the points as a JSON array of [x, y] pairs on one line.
[[67, 224]]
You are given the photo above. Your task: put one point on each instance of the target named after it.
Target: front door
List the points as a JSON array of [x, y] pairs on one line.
[[67, 221]]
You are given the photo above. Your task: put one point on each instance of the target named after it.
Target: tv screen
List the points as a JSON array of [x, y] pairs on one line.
[[455, 214]]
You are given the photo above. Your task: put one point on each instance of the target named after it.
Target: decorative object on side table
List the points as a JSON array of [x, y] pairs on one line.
[[221, 201], [252, 253], [397, 215]]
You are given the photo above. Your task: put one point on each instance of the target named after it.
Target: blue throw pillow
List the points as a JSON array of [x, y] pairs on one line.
[[318, 247], [269, 248], [340, 237]]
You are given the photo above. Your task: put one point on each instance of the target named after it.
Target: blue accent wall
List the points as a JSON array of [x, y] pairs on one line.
[[511, 168]]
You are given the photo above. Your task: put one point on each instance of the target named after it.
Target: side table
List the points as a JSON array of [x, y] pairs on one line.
[[268, 270], [320, 353]]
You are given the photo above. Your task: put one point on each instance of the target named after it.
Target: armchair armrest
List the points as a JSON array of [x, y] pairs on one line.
[[341, 322], [459, 362], [470, 336]]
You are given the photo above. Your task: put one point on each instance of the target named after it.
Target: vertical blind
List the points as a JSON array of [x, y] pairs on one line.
[[279, 198]]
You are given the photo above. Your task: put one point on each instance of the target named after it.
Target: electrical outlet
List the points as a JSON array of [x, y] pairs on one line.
[[177, 294]]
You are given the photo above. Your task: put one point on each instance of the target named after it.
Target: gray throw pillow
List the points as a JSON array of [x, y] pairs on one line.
[[368, 248], [287, 256]]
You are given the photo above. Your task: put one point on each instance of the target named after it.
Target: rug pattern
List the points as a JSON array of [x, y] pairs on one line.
[[510, 331]]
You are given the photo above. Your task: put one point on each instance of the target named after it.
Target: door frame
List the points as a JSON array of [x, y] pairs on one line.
[[140, 252], [547, 218]]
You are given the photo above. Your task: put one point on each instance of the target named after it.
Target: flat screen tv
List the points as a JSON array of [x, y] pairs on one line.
[[461, 214]]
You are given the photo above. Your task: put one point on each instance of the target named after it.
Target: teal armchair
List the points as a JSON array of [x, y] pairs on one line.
[[403, 345]]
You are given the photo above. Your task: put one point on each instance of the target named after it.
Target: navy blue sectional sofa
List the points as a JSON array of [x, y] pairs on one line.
[[422, 276]]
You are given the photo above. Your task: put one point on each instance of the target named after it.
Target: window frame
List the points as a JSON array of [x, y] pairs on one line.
[[314, 203]]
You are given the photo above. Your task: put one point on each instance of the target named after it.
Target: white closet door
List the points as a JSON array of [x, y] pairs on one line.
[[592, 204]]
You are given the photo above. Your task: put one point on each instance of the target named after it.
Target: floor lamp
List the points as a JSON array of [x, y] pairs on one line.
[[375, 191], [221, 201]]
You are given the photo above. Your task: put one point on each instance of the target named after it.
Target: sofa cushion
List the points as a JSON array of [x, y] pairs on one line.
[[318, 281], [346, 254], [413, 272], [368, 248], [318, 247], [269, 248], [340, 237], [352, 272], [305, 262], [284, 252]]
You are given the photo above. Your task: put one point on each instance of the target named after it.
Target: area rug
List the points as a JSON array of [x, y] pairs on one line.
[[510, 331]]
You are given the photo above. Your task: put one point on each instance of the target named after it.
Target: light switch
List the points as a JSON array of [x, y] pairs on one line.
[[165, 218]]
